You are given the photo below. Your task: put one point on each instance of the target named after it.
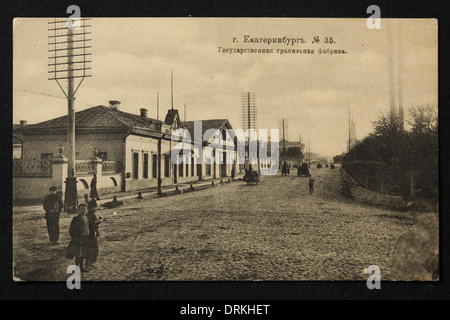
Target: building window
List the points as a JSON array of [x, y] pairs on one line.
[[155, 166], [145, 166], [167, 165], [208, 169], [135, 165], [192, 167], [17, 151], [46, 156], [181, 171], [103, 156]]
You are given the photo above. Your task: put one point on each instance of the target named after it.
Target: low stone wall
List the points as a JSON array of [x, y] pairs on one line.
[[352, 190], [31, 188]]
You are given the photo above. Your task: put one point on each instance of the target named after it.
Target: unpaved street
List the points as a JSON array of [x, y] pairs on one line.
[[272, 231]]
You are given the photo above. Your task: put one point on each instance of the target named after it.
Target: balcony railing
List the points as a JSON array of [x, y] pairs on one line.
[[44, 168], [84, 167], [109, 166]]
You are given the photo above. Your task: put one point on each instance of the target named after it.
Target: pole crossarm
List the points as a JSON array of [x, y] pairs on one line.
[[64, 42], [78, 69], [62, 63], [65, 35], [73, 77], [64, 28]]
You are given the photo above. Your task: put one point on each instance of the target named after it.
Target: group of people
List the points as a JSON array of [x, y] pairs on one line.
[[83, 230]]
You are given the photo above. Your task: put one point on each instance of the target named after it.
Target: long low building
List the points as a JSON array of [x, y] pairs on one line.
[[119, 147]]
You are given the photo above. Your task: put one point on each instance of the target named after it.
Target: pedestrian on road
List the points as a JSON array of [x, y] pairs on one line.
[[79, 234], [94, 193], [94, 233], [53, 206], [311, 185]]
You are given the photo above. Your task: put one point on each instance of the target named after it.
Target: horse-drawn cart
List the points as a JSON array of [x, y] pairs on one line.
[[303, 171], [251, 177]]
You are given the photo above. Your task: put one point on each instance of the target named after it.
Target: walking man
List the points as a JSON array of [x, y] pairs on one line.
[[53, 206], [311, 185]]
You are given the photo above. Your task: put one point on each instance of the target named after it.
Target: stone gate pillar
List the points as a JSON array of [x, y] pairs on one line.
[[59, 172]]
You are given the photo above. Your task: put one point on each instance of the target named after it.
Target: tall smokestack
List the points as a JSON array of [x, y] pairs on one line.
[[390, 69], [400, 77]]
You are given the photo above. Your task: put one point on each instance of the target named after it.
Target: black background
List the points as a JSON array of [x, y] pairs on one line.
[[283, 296]]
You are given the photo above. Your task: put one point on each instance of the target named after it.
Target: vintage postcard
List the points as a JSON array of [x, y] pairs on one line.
[[225, 149]]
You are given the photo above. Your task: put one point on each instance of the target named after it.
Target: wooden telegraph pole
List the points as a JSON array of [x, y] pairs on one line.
[[68, 60]]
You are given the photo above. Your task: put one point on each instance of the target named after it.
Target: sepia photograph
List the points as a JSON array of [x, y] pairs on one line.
[[225, 149]]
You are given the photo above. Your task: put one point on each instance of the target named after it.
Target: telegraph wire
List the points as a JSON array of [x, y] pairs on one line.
[[49, 95]]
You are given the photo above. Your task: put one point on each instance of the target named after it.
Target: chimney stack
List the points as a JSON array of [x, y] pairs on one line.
[[23, 123], [114, 105], [144, 113]]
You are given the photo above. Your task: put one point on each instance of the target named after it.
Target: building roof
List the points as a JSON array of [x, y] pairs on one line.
[[170, 116], [97, 118], [206, 125], [215, 124], [17, 139]]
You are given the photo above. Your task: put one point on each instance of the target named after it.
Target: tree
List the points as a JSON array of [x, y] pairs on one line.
[[423, 120], [413, 150], [424, 146], [390, 137]]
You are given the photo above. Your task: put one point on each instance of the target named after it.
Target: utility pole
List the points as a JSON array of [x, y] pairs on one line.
[[248, 109], [284, 143], [157, 105], [310, 153], [301, 149], [171, 88], [69, 60], [159, 167], [349, 130], [173, 165]]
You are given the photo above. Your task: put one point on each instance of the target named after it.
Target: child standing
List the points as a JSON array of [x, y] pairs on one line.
[[79, 233]]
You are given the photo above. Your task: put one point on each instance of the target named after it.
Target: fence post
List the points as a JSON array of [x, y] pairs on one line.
[[367, 177], [412, 183]]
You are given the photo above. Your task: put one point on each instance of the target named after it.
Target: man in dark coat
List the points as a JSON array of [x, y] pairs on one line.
[[53, 206], [79, 233], [311, 185]]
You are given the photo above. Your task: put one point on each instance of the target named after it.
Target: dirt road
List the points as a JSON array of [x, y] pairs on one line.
[[273, 231]]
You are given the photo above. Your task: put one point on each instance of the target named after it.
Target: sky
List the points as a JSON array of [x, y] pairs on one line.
[[132, 60]]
